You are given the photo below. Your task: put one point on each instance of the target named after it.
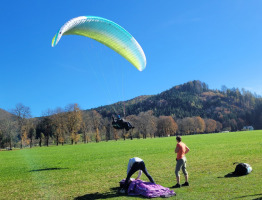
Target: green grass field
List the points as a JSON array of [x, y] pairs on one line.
[[92, 171]]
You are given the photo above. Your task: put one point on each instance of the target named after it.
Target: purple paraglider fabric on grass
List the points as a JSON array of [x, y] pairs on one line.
[[147, 189]]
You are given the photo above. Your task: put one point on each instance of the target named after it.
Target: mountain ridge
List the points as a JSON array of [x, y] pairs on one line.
[[193, 98]]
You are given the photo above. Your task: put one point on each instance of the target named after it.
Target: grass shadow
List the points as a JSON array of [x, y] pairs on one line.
[[259, 198], [107, 195], [47, 169], [252, 195], [230, 175]]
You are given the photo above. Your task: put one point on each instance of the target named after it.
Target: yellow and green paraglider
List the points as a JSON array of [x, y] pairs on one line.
[[108, 33]]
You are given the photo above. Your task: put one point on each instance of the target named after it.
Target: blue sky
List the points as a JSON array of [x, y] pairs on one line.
[[218, 42]]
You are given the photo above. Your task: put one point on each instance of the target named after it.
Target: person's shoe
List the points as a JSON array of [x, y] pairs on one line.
[[176, 186], [185, 184], [122, 191]]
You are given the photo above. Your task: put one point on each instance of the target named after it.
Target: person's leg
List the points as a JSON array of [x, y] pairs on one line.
[[178, 179], [133, 169], [185, 173], [143, 168], [179, 164], [186, 178], [126, 127]]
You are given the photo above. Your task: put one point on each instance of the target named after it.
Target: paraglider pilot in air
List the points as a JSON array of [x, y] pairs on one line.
[[120, 123]]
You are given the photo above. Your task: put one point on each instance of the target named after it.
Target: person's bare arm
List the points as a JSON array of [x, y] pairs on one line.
[[176, 149], [187, 150]]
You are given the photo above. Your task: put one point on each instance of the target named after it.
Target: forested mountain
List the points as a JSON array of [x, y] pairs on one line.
[[231, 107], [190, 108]]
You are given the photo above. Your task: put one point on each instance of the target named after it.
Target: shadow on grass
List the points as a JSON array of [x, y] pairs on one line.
[[113, 193], [230, 175], [259, 198], [252, 195], [47, 169], [107, 195]]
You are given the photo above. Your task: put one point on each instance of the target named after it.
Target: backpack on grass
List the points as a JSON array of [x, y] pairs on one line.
[[242, 169]]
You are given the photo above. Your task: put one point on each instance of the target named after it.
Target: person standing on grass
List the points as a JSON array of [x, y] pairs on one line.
[[134, 165], [181, 150]]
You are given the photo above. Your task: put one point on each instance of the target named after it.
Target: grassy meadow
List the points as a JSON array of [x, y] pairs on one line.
[[92, 171]]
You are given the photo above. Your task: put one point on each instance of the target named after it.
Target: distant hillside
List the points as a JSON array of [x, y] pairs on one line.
[[5, 115], [191, 99], [121, 106]]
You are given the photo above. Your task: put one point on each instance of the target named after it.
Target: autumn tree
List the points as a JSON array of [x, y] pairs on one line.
[[22, 113], [148, 123], [211, 125], [166, 126], [86, 127], [142, 125], [96, 119], [58, 120], [73, 121], [116, 135], [198, 125], [186, 125]]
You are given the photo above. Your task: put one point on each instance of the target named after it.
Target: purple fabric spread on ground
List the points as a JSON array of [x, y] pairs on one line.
[[148, 189]]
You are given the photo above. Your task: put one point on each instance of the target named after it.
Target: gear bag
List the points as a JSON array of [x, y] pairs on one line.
[[242, 169]]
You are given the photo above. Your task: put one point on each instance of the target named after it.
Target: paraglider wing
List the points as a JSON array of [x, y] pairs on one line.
[[108, 33]]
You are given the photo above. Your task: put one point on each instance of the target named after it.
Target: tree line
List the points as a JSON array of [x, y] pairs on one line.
[[71, 126]]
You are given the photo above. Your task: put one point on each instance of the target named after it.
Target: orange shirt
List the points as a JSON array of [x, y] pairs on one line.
[[181, 150]]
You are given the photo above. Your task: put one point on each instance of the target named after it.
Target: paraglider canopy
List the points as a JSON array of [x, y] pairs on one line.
[[108, 33]]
